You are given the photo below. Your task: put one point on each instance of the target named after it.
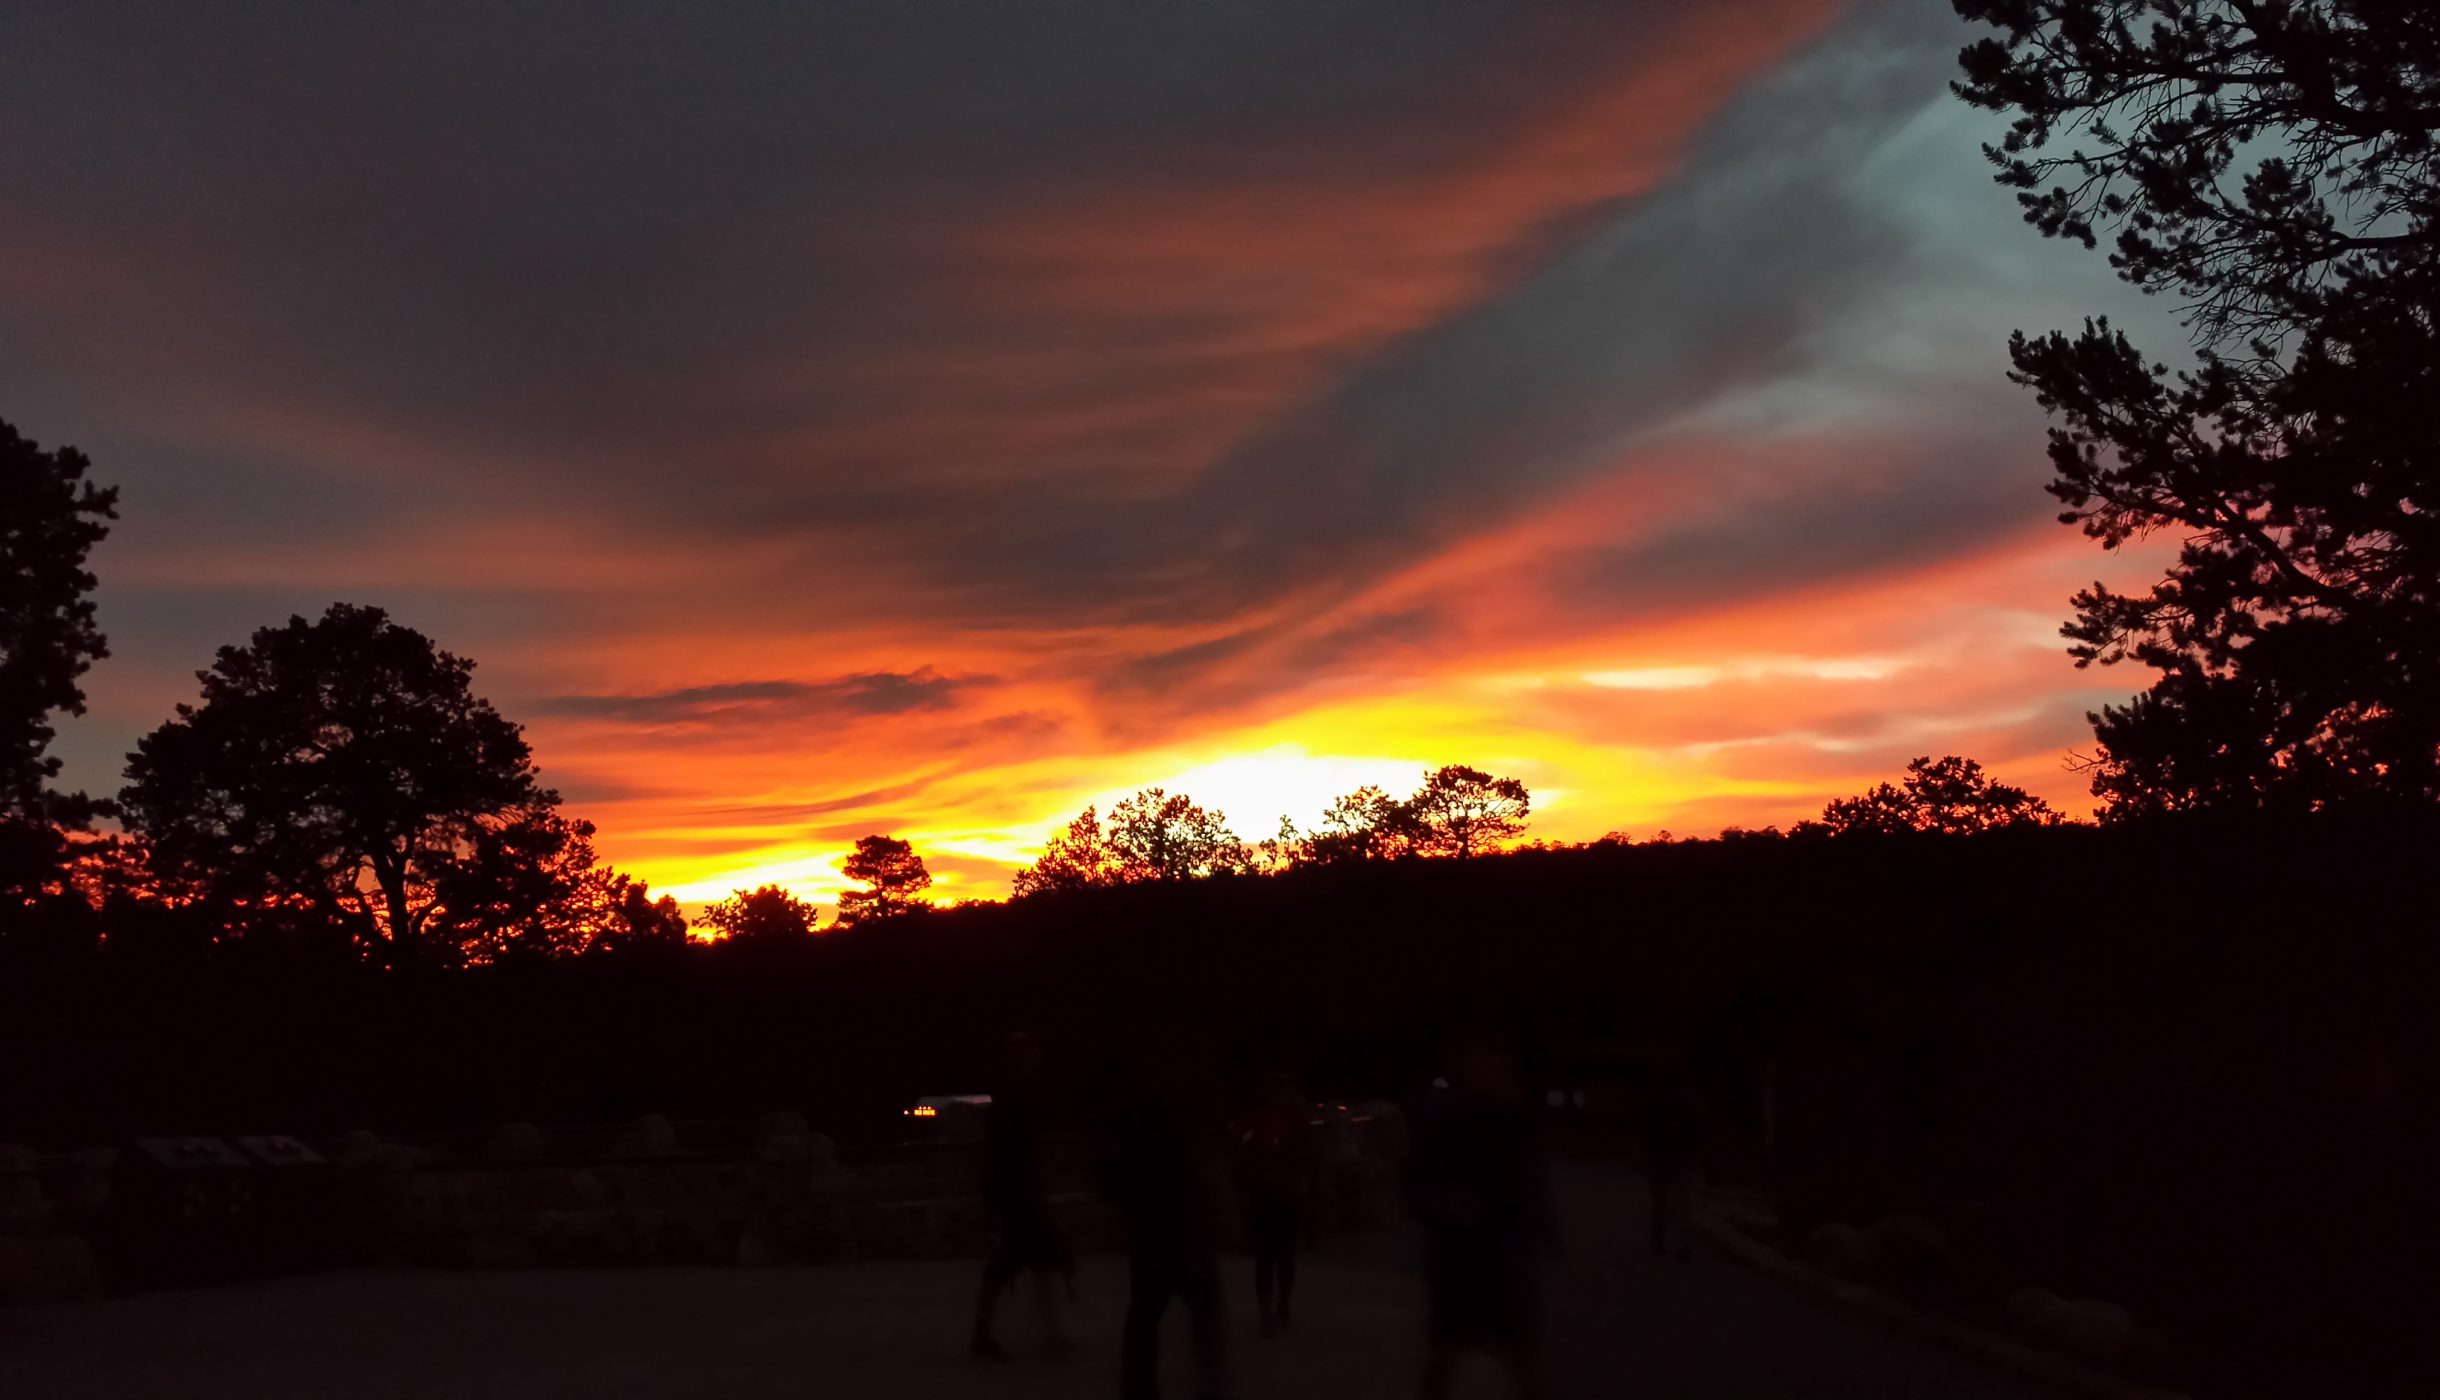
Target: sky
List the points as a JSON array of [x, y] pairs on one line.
[[932, 416]]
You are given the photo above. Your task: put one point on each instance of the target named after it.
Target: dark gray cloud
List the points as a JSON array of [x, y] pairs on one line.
[[1710, 285], [1782, 308], [770, 814], [569, 237], [767, 701], [468, 259], [906, 312]]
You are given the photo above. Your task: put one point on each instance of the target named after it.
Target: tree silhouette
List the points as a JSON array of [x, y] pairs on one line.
[[1153, 835], [625, 918], [1949, 795], [1075, 858], [1461, 812], [895, 875], [765, 917], [343, 771], [1281, 851], [531, 886], [2272, 165], [51, 517], [1367, 824], [1881, 810], [1157, 835]]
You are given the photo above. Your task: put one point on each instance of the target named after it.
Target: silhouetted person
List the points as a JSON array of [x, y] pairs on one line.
[[1156, 1172], [1275, 1157], [1024, 1239], [1669, 1126], [1477, 1182]]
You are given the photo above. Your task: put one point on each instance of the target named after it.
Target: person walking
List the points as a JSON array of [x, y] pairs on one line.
[[1669, 1127], [1275, 1164], [1478, 1184], [1023, 1237], [1156, 1171]]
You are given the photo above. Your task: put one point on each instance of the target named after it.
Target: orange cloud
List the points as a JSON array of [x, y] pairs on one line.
[[1743, 715], [888, 471]]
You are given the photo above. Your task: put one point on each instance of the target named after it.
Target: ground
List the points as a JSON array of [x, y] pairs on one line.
[[1623, 1324]]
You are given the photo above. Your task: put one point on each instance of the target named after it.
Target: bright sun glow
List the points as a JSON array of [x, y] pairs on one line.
[[1255, 790], [1745, 721]]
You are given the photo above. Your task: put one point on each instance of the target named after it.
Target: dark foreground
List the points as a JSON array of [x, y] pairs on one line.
[[1622, 1324]]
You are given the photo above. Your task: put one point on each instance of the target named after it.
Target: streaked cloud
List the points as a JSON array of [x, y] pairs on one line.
[[763, 702], [834, 419]]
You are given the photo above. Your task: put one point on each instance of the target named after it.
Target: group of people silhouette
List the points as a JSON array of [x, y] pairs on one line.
[[1474, 1180]]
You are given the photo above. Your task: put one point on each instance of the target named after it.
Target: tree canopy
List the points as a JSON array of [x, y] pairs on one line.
[[1461, 812], [765, 917], [1367, 824], [1950, 796], [1157, 835], [342, 774], [2271, 164], [51, 517], [533, 887], [894, 878], [1152, 835]]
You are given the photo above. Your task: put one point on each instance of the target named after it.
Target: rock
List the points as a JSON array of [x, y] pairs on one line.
[[781, 1152], [420, 1197], [586, 1236], [588, 1189], [618, 1238], [694, 1235], [84, 1191], [813, 1232], [2090, 1330], [16, 1270], [755, 1250], [22, 1207], [1912, 1245], [1388, 1135], [785, 1123], [652, 1136], [926, 1229], [362, 1151], [2084, 1328], [69, 1263], [58, 1269], [689, 1184], [500, 1251], [359, 1146], [517, 1142], [2031, 1309], [1843, 1249], [21, 1201]]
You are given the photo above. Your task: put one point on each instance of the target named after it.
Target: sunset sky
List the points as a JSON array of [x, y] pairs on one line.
[[931, 416]]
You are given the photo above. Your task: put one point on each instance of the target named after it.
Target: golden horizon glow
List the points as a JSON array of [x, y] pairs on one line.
[[1607, 397], [1717, 719]]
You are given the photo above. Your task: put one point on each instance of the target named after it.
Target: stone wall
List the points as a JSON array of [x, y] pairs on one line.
[[773, 1192], [49, 1209]]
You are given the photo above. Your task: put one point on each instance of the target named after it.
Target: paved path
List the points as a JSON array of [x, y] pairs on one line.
[[1623, 1325]]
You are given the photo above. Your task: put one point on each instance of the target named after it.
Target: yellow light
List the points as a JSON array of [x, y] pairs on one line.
[[922, 1111]]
